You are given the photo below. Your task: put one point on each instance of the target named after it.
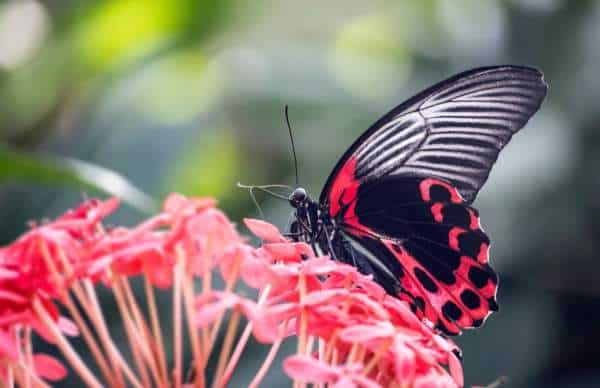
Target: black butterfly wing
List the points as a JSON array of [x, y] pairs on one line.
[[402, 192], [423, 243], [453, 130]]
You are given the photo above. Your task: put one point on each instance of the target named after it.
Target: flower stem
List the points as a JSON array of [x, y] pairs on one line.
[[351, 357], [237, 353], [91, 343], [198, 354], [66, 300], [375, 359], [229, 286], [89, 302], [226, 347], [188, 301], [65, 347], [10, 377], [142, 329], [115, 377], [28, 353], [303, 322], [135, 344], [260, 375], [177, 278], [28, 371], [156, 329]]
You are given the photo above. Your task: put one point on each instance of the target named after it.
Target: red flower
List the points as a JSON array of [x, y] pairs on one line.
[[350, 332]]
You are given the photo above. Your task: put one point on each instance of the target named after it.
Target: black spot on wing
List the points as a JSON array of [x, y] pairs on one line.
[[436, 266], [446, 329], [451, 310], [470, 299], [425, 280], [419, 302], [493, 304], [439, 193], [477, 322], [480, 278], [456, 214], [470, 243]]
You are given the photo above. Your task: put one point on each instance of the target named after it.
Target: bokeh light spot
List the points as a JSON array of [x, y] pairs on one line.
[[369, 57], [23, 27]]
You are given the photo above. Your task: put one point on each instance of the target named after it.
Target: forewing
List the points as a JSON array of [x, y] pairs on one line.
[[453, 131], [426, 245]]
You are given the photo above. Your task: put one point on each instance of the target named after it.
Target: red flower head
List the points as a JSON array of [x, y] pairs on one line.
[[350, 332]]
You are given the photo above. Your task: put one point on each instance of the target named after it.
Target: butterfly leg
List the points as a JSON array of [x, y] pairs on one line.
[[329, 239], [293, 235], [351, 250]]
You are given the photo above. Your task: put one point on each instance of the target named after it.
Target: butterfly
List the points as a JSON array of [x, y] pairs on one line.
[[398, 204]]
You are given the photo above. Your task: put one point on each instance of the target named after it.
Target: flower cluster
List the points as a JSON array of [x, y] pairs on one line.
[[349, 332]]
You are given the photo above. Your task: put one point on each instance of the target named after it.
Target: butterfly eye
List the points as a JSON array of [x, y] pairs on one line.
[[297, 197]]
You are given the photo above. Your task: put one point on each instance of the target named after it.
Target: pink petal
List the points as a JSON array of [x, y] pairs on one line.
[[232, 260], [375, 310], [404, 361], [264, 230], [288, 251], [256, 273], [68, 327], [344, 382], [364, 333], [208, 313], [42, 330], [308, 369], [175, 202], [10, 296], [399, 309], [372, 289], [319, 266], [456, 370], [285, 252], [325, 296], [8, 274], [49, 367], [8, 346], [267, 321], [365, 382]]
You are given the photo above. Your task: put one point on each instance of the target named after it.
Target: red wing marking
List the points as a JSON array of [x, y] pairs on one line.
[[475, 224], [436, 210], [484, 253], [428, 238], [344, 188], [450, 307], [429, 183], [453, 237]]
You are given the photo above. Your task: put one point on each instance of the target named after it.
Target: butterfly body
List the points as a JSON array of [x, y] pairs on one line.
[[398, 203]]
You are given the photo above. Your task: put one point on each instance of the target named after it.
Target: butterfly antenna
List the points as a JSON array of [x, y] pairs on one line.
[[265, 189], [251, 191], [287, 120]]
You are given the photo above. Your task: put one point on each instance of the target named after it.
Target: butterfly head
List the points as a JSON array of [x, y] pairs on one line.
[[298, 197]]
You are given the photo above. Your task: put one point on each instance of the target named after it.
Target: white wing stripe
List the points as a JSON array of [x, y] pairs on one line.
[[453, 130]]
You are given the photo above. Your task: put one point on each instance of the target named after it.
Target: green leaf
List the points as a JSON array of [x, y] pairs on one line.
[[24, 167]]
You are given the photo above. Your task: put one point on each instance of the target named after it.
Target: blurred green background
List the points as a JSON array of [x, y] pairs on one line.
[[188, 96]]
